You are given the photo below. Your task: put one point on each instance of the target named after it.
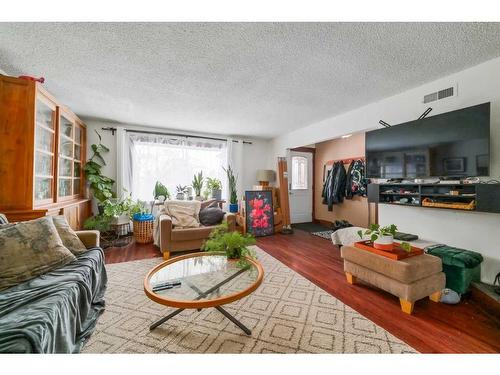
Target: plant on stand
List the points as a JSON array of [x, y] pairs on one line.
[[383, 237], [115, 212], [233, 195], [214, 185], [233, 244], [197, 185]]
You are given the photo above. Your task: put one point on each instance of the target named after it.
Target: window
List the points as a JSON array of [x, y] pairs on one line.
[[299, 173], [173, 161]]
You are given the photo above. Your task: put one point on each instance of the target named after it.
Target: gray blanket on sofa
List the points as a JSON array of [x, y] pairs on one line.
[[55, 312]]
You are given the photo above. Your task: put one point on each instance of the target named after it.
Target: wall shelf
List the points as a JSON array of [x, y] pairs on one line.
[[486, 197]]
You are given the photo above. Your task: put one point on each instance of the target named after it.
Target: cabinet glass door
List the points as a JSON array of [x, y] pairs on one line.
[[44, 152], [78, 160], [70, 158], [66, 147]]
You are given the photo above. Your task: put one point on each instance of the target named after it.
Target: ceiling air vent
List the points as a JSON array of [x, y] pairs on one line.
[[441, 94]]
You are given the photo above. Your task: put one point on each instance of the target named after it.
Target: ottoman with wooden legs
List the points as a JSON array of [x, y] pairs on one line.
[[409, 279]]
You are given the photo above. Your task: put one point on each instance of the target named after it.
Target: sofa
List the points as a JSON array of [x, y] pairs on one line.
[[57, 311], [173, 239]]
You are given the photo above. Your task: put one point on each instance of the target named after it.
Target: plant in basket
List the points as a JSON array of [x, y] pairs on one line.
[[383, 237]]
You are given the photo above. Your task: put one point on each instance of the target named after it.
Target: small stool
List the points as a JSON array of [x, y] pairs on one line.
[[460, 266], [409, 279]]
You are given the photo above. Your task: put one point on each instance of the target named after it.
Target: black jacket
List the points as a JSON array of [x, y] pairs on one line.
[[334, 186]]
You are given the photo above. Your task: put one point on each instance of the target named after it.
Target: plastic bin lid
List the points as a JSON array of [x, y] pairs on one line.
[[143, 217]]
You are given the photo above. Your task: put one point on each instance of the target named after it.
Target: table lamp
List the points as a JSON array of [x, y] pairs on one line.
[[264, 176]]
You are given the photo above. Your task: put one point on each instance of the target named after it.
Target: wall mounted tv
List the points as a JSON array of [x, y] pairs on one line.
[[452, 144]]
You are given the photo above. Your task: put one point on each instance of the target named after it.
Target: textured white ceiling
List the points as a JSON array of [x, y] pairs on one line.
[[252, 79]]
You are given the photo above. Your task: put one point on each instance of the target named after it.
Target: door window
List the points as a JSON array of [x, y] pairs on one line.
[[299, 173]]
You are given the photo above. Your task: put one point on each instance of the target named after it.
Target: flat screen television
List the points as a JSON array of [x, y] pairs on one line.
[[452, 144]]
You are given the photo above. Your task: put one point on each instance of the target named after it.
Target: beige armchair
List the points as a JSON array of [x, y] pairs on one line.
[[183, 239], [90, 238]]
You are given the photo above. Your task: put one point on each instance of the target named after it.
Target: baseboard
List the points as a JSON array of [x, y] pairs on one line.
[[325, 223], [485, 297]]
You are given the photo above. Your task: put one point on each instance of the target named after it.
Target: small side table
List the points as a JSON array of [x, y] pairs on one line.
[[241, 223]]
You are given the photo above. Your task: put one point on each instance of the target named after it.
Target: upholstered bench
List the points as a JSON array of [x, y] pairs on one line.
[[409, 279]]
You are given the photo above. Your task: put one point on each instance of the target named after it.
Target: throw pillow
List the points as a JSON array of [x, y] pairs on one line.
[[211, 216], [29, 249], [184, 214], [68, 236]]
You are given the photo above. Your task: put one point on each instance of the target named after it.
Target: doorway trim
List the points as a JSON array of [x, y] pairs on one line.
[[313, 152]]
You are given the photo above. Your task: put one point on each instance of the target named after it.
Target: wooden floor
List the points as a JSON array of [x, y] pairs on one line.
[[433, 327]]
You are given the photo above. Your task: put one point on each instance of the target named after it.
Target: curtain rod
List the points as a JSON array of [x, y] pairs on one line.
[[113, 130]]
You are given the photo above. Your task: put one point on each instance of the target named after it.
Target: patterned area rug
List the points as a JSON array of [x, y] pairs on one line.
[[326, 234], [287, 314]]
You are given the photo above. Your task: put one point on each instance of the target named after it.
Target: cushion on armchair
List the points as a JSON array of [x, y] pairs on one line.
[[211, 216], [184, 214], [29, 249], [68, 236]]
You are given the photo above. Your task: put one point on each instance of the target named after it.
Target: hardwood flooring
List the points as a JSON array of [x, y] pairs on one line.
[[433, 327]]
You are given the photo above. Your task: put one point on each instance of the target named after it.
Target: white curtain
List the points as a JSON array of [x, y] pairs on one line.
[[173, 161], [123, 163]]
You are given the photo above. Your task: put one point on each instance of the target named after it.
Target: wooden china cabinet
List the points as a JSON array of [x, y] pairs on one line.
[[42, 151]]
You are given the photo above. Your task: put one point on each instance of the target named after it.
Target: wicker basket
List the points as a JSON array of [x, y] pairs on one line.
[[426, 202], [143, 231]]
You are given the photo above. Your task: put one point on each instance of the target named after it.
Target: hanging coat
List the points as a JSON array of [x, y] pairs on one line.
[[334, 185], [338, 188], [327, 186], [356, 181]]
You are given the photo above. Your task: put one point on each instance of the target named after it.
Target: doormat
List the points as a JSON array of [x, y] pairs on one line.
[[310, 227], [326, 234]]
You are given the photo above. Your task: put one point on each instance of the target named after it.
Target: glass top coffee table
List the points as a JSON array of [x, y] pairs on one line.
[[201, 280]]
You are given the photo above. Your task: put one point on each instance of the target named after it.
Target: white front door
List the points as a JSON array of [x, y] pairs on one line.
[[300, 186]]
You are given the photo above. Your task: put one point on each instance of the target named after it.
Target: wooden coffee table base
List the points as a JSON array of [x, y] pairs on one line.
[[223, 311]]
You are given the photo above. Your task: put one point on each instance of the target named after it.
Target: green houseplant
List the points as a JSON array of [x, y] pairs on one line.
[[100, 185], [114, 211], [161, 190], [383, 237], [233, 194], [214, 185], [233, 244], [197, 185]]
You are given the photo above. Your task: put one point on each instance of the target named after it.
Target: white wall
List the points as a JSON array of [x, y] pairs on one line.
[[476, 231], [255, 156]]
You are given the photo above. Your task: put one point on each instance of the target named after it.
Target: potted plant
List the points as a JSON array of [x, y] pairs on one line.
[[233, 244], [206, 194], [181, 191], [99, 222], [233, 195], [100, 185], [383, 237], [214, 185], [189, 193], [197, 185], [161, 192]]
